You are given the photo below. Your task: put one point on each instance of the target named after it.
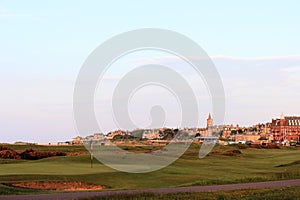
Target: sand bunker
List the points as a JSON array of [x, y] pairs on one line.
[[52, 185]]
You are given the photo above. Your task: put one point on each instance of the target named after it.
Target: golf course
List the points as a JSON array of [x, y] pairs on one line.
[[223, 165]]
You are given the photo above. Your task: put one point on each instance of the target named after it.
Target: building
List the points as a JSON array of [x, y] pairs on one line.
[[209, 124], [209, 121], [150, 134], [211, 129], [230, 130], [96, 136], [246, 138], [77, 141], [286, 129], [112, 134]]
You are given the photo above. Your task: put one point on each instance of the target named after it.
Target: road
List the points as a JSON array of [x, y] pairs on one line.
[[211, 188]]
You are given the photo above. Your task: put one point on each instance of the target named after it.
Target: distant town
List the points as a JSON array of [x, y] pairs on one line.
[[281, 131]]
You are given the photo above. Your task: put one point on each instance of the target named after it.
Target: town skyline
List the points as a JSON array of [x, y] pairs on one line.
[[200, 130]]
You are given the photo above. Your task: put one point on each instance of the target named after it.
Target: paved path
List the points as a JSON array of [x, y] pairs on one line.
[[269, 184]]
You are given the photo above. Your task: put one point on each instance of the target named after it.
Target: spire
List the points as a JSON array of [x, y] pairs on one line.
[[209, 121], [282, 116], [209, 116]]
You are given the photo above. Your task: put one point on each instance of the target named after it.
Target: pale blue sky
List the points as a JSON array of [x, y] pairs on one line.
[[44, 43]]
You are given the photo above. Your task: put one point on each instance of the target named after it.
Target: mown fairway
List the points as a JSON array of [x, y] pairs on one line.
[[250, 165]]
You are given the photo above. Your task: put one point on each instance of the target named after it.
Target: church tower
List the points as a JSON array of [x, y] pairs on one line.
[[209, 121]]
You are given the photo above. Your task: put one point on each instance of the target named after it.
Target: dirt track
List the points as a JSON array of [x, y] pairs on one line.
[[269, 184]]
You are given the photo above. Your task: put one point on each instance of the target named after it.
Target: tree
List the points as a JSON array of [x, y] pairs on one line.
[[168, 134], [221, 133], [233, 132], [240, 131]]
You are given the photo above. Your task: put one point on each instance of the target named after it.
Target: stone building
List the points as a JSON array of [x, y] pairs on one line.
[[77, 141], [286, 129], [209, 121], [211, 129]]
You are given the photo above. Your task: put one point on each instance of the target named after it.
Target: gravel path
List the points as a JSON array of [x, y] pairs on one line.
[[76, 195]]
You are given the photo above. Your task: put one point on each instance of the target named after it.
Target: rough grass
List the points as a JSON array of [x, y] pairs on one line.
[[250, 165], [284, 193], [7, 190], [297, 162]]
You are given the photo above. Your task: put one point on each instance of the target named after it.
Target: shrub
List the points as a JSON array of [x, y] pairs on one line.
[[30, 154], [232, 152], [3, 148], [257, 146], [9, 154], [243, 146], [273, 146]]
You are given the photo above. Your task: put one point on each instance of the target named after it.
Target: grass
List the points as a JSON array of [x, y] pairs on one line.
[[250, 166], [7, 190], [284, 193]]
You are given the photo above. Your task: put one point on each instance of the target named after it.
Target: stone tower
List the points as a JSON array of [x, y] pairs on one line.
[[209, 121]]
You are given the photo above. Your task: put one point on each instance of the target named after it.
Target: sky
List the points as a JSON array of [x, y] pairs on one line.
[[254, 45]]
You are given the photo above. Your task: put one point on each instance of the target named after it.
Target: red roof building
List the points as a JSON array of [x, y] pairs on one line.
[[286, 129]]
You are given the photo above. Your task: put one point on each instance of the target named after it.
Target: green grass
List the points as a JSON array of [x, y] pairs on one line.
[[284, 193], [250, 166]]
